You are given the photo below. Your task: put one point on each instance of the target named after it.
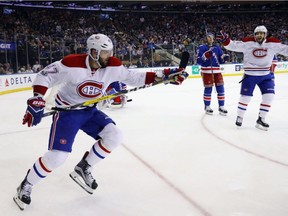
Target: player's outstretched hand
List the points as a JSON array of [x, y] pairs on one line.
[[222, 37], [34, 111], [178, 79], [171, 72], [172, 75], [175, 75]]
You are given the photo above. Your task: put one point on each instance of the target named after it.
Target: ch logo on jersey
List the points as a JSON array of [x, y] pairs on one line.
[[89, 89], [259, 53]]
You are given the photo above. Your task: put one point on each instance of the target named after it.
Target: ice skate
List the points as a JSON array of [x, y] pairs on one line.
[[239, 121], [22, 197], [261, 124], [83, 177], [208, 110], [222, 111]]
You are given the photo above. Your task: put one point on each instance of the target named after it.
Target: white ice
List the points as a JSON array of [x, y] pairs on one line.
[[175, 160]]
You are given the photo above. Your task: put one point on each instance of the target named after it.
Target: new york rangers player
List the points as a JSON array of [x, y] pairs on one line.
[[209, 57], [82, 77], [259, 52]]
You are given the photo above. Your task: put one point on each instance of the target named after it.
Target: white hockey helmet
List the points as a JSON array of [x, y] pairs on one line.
[[99, 42], [261, 28]]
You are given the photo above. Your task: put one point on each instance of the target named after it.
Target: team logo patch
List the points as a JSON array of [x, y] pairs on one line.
[[259, 53], [89, 89]]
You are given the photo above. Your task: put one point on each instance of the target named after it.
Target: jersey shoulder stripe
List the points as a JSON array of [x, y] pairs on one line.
[[75, 60], [248, 39], [272, 40], [113, 61]]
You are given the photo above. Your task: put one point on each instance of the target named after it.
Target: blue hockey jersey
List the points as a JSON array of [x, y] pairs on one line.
[[212, 64]]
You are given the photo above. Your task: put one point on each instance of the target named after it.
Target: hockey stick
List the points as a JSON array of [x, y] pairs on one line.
[[206, 32], [211, 53], [183, 64]]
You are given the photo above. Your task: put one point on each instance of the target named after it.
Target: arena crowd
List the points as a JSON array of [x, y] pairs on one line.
[[47, 35]]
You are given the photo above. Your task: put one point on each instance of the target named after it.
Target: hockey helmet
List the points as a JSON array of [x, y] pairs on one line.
[[99, 42], [261, 29]]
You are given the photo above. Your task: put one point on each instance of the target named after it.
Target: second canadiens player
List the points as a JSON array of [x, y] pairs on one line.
[[82, 77], [259, 58]]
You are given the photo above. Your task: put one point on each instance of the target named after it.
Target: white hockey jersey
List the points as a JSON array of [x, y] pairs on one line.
[[257, 57], [78, 83]]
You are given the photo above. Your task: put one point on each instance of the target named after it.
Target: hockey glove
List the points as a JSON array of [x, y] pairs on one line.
[[34, 111], [178, 79], [172, 75], [207, 55], [222, 37], [171, 72]]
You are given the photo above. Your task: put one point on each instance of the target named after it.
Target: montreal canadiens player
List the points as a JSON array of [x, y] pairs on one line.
[[259, 52], [82, 77]]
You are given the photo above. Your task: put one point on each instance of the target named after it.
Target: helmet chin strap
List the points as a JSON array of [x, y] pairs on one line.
[[95, 61]]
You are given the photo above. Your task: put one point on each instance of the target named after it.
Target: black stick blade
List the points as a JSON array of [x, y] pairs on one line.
[[184, 59]]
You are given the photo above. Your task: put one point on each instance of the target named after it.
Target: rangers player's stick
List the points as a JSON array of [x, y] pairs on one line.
[[183, 64]]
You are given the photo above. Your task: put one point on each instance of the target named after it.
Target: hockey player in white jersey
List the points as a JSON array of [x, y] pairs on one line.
[[259, 52], [82, 77]]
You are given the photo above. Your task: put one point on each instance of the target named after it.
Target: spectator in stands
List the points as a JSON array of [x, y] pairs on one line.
[[36, 67], [2, 71], [139, 63], [29, 69], [44, 27]]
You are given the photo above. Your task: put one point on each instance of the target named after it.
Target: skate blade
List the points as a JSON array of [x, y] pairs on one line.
[[261, 127], [238, 125], [80, 182], [19, 203], [209, 113], [223, 114]]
